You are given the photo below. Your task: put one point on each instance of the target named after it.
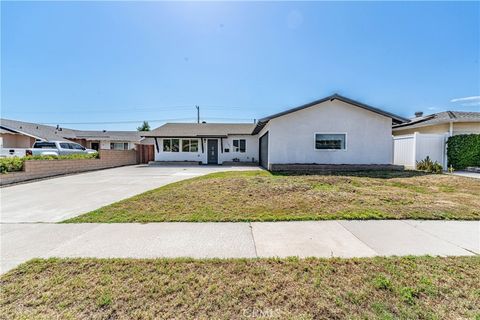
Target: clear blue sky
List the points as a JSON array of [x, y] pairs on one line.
[[66, 62]]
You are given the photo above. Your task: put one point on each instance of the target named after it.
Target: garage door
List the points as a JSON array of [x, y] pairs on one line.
[[264, 151]]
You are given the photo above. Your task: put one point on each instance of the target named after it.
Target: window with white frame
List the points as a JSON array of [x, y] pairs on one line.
[[119, 145], [330, 141], [239, 145], [189, 145], [171, 145]]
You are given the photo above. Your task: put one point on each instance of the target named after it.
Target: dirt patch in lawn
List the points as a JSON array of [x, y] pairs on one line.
[[370, 288], [261, 196]]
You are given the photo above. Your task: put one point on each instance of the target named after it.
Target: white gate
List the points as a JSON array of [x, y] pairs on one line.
[[408, 149]]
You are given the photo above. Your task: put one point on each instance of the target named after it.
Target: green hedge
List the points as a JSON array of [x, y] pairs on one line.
[[464, 151], [13, 164]]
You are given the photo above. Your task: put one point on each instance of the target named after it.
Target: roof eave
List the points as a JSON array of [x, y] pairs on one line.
[[21, 132]]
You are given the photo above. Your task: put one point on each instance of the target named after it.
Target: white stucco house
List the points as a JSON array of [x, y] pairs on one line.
[[334, 130]]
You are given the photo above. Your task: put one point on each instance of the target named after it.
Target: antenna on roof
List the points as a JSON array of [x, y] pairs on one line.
[[198, 114]]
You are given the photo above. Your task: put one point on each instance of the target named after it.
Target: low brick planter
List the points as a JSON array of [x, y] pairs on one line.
[[174, 163], [332, 167], [36, 169], [240, 164]]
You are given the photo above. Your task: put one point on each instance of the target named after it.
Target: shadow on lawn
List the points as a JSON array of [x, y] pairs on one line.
[[379, 174]]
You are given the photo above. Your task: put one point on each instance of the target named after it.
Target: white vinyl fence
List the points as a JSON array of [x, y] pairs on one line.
[[408, 149]]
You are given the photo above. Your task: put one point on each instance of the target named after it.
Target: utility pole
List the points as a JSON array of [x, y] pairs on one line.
[[198, 114]]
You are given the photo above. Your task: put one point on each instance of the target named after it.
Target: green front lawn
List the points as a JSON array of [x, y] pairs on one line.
[[261, 196], [369, 288]]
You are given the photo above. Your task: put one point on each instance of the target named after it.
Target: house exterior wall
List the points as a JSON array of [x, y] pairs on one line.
[[250, 152], [16, 141], [368, 135], [458, 128], [105, 144], [466, 128]]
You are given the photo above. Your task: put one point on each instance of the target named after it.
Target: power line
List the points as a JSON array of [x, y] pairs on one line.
[[140, 121], [133, 109]]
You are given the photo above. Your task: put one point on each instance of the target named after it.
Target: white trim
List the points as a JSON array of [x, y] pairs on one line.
[[414, 153], [329, 150]]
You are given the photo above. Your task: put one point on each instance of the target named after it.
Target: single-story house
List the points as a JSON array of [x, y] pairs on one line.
[[426, 136], [10, 138], [20, 134], [332, 130], [447, 122]]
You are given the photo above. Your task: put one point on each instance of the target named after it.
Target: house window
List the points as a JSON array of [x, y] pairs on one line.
[[330, 141], [239, 145], [119, 145], [171, 145], [189, 145]]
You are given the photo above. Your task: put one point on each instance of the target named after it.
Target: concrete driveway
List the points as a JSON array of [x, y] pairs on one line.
[[60, 198]]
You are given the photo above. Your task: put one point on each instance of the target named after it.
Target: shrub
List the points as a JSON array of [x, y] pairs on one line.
[[464, 151], [66, 157], [11, 164], [428, 165], [16, 164]]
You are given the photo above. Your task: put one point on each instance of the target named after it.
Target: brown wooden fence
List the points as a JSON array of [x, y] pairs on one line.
[[145, 153]]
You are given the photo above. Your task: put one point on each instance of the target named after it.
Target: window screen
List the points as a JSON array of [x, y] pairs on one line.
[[330, 141]]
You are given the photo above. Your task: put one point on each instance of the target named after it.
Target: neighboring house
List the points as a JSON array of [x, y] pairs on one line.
[[450, 122], [332, 130], [118, 140], [424, 136], [19, 134], [15, 139]]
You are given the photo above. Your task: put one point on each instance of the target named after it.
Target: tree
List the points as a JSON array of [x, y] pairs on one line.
[[144, 127]]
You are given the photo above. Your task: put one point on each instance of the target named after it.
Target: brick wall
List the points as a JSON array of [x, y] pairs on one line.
[[331, 167], [35, 169]]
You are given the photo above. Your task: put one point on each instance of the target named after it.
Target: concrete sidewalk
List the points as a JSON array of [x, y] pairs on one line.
[[21, 242]]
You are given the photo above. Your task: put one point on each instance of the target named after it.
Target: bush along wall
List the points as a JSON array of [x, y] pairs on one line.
[[16, 164], [464, 151]]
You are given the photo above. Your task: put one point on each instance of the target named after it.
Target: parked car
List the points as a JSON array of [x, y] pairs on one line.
[[12, 152], [57, 148]]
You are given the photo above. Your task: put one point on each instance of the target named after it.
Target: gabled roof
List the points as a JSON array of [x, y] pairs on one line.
[[395, 119], [440, 118], [50, 133], [179, 130], [38, 131]]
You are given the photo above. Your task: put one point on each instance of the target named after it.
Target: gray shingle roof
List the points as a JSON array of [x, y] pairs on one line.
[[439, 118], [38, 130], [109, 135], [200, 130], [51, 133]]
